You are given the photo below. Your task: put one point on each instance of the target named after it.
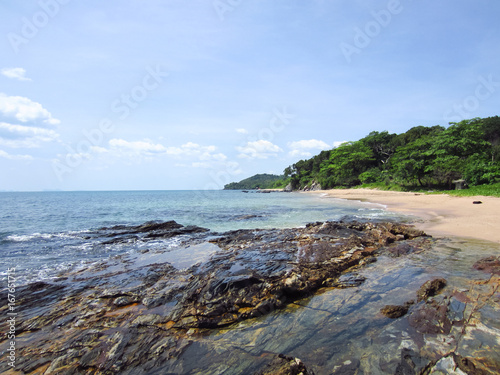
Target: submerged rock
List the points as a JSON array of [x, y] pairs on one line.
[[431, 318], [452, 364], [488, 265]]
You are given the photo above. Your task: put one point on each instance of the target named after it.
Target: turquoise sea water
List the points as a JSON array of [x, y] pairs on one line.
[[43, 234]]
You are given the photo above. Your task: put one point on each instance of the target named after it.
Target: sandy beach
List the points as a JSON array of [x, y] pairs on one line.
[[441, 214]]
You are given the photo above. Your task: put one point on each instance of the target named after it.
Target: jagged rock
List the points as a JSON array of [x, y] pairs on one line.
[[430, 288], [283, 365], [314, 186], [122, 301], [288, 188], [149, 230]]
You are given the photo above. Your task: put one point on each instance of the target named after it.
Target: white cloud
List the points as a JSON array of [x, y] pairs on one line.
[[195, 155], [17, 136], [6, 155], [216, 157], [145, 147], [338, 143], [25, 110], [242, 131], [258, 150], [191, 149], [15, 73], [307, 147]]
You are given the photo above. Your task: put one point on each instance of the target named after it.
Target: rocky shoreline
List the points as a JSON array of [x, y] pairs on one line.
[[145, 313]]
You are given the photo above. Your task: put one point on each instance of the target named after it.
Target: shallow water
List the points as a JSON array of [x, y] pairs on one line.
[[45, 234], [343, 331]]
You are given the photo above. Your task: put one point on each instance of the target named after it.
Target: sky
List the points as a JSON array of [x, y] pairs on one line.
[[194, 94]]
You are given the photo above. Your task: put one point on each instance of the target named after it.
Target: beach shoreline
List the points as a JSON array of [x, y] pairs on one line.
[[439, 215]]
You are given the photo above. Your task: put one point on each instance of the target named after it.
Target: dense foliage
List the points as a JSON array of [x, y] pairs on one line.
[[263, 181], [423, 156]]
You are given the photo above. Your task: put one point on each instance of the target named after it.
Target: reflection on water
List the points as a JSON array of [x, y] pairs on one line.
[[341, 331]]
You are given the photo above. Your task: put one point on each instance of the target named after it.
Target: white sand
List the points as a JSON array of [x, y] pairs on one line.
[[443, 215]]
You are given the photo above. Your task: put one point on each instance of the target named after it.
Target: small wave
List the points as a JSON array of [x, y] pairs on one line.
[[24, 238], [43, 236]]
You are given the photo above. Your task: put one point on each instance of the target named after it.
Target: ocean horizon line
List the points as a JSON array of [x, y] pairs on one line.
[[103, 191]]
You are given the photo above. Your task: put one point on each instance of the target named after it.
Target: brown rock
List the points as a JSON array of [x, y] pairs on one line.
[[431, 318], [394, 311], [489, 265], [430, 288]]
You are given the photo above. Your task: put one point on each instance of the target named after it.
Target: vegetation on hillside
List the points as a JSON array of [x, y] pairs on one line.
[[263, 181], [422, 157]]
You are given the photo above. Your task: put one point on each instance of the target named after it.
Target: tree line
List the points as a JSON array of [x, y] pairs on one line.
[[423, 156], [259, 181]]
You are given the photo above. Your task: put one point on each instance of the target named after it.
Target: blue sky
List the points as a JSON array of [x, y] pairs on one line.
[[129, 94]]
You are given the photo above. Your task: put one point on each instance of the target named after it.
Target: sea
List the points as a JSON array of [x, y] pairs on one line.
[[44, 235]]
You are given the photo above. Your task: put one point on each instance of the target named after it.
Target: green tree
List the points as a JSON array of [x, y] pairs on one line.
[[491, 133], [383, 146], [453, 147], [412, 162], [345, 164], [480, 170]]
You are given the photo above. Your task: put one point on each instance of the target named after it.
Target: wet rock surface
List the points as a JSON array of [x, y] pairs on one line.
[[489, 265], [149, 230], [283, 365], [229, 302], [265, 270]]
